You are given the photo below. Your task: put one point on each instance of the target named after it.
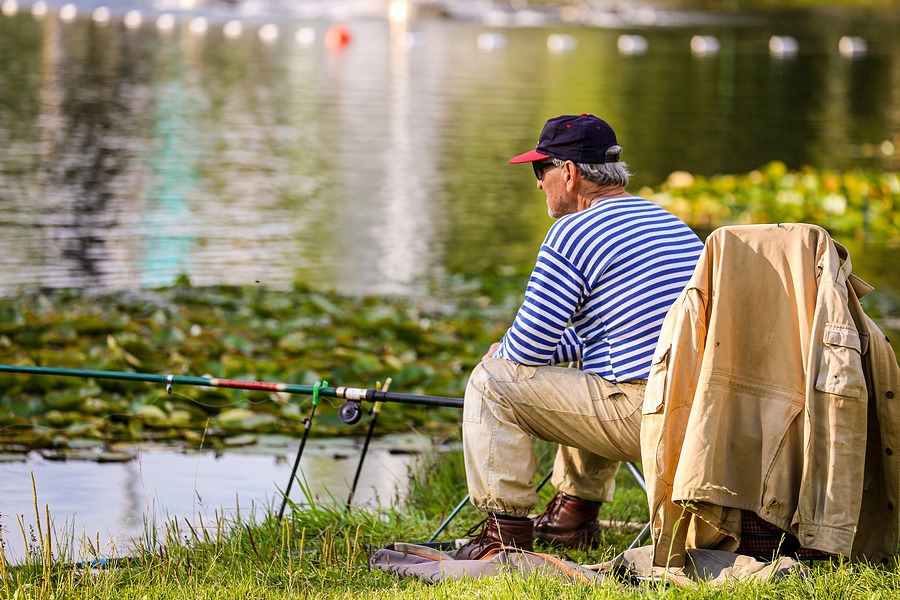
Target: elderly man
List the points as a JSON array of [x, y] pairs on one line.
[[606, 274]]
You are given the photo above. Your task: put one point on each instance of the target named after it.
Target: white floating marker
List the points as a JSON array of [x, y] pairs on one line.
[[632, 44], [39, 9], [559, 43], [165, 22], [100, 15], [491, 42], [852, 46], [9, 7], [413, 39], [704, 45], [198, 25], [68, 12], [305, 36], [133, 19], [268, 32], [233, 29], [782, 46]]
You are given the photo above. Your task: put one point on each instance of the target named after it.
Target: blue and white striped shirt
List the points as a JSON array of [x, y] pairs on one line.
[[604, 279]]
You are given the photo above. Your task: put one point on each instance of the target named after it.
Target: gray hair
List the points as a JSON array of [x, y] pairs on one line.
[[611, 173]]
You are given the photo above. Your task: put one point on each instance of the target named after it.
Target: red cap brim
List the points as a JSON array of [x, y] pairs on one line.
[[529, 156]]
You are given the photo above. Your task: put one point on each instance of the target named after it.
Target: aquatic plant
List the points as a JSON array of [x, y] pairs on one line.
[[426, 345], [856, 204]]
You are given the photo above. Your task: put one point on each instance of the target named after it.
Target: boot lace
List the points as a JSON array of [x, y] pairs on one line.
[[552, 509], [483, 526]]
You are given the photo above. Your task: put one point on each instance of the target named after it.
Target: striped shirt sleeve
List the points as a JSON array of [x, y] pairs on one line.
[[553, 295], [603, 282]]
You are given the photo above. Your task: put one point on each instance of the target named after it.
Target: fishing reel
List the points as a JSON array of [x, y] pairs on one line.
[[350, 412]]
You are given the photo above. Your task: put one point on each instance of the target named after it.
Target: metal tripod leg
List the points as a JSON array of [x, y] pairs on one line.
[[639, 478], [465, 500]]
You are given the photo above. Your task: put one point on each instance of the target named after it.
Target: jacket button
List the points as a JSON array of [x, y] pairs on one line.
[[889, 394], [890, 506], [888, 451]]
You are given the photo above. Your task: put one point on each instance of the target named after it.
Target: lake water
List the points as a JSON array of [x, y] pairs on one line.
[[116, 504], [133, 153]]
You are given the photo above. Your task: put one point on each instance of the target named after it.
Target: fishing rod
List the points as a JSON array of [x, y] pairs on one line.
[[354, 395]]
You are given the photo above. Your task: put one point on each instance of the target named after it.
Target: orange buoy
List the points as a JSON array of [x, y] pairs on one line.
[[337, 37]]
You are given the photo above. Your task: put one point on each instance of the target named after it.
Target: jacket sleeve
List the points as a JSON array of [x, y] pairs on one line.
[[877, 534], [667, 402]]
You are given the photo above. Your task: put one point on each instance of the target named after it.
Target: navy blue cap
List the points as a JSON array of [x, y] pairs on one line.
[[580, 138]]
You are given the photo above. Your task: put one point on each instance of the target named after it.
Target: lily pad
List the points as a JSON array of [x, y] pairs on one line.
[[84, 454], [13, 457], [293, 342], [152, 415], [240, 418], [239, 441]]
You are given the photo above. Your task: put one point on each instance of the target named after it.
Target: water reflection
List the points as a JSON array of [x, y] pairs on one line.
[[132, 155], [408, 221], [169, 235], [120, 503], [83, 159]]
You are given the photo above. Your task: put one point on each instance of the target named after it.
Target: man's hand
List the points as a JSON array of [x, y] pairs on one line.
[[491, 350]]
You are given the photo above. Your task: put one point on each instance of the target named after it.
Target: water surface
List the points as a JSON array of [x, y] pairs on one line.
[[120, 504], [130, 156]]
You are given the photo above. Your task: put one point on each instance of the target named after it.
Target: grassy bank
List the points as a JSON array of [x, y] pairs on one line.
[[322, 552]]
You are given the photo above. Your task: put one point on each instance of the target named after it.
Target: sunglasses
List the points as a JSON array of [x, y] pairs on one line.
[[540, 167]]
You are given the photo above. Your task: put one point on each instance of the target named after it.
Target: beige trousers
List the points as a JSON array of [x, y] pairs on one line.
[[597, 424]]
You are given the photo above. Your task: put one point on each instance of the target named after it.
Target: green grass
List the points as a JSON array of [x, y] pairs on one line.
[[321, 551]]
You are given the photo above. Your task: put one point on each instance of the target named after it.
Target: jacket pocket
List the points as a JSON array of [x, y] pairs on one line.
[[655, 394], [840, 370]]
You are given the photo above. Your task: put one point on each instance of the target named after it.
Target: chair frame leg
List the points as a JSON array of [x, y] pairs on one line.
[[639, 478]]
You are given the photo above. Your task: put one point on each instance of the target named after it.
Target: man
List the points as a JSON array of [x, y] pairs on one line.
[[608, 271]]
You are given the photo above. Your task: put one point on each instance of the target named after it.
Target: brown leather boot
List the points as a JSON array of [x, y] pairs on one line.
[[497, 530], [569, 522]]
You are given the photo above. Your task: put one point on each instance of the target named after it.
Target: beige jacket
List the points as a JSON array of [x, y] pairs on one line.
[[772, 391]]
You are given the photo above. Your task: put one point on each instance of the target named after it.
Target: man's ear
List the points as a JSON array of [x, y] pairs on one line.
[[570, 175]]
